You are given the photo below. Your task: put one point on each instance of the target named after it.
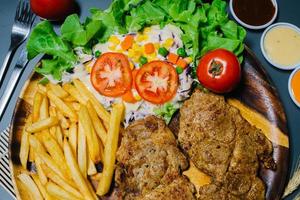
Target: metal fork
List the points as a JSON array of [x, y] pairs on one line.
[[20, 31]]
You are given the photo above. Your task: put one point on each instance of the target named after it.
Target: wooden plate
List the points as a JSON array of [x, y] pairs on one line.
[[256, 98]]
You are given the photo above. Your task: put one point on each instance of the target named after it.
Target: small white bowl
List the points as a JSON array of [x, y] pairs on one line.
[[262, 40], [251, 26], [290, 87]]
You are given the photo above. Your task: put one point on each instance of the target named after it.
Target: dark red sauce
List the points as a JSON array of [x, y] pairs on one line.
[[254, 12]]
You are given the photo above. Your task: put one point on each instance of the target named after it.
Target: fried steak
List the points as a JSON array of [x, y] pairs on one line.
[[221, 143], [149, 163]]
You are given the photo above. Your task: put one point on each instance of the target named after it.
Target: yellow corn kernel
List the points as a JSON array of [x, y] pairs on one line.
[[156, 45], [89, 65], [152, 57], [119, 50], [136, 47], [112, 47], [131, 65], [188, 60], [141, 37], [136, 96], [168, 43], [114, 39], [147, 30]]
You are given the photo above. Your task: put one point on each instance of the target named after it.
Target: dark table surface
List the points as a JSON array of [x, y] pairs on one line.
[[288, 12]]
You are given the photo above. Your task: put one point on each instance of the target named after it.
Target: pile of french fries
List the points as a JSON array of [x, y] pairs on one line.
[[65, 136]]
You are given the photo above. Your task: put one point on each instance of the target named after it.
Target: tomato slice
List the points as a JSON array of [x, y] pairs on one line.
[[111, 74], [157, 82]]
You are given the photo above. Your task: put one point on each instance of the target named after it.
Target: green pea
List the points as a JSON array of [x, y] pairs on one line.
[[97, 53], [179, 70], [143, 60], [163, 51], [181, 52]]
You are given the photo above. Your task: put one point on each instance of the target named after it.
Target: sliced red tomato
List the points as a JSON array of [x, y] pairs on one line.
[[111, 74], [157, 82], [128, 97]]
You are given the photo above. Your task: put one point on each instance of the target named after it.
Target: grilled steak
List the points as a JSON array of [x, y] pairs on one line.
[[149, 163], [221, 143]]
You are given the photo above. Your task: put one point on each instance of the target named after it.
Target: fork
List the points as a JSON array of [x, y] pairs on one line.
[[20, 31]]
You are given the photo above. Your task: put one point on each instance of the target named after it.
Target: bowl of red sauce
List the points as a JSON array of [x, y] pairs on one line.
[[254, 14], [294, 86]]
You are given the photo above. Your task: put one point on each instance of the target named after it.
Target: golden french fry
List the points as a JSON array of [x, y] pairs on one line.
[[58, 90], [76, 174], [37, 102], [59, 136], [99, 128], [42, 125], [69, 99], [92, 140], [102, 113], [82, 153], [30, 186], [73, 137], [52, 111], [91, 168], [75, 93], [96, 177], [111, 149], [41, 187], [59, 181], [40, 171], [38, 148], [64, 108], [42, 89], [74, 105], [55, 152], [24, 149], [44, 109], [63, 121], [31, 154], [59, 192]]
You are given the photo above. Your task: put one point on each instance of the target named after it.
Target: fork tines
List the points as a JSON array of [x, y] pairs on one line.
[[23, 12]]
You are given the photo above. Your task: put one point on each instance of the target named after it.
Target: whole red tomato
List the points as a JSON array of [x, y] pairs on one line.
[[219, 71], [52, 9]]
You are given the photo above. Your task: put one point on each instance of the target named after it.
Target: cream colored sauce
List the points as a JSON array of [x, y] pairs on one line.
[[282, 45]]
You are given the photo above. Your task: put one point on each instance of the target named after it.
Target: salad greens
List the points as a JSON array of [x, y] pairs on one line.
[[205, 27], [166, 111]]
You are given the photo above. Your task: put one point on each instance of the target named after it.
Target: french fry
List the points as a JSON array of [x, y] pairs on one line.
[[52, 111], [64, 108], [92, 140], [74, 105], [76, 174], [42, 89], [111, 149], [38, 147], [64, 122], [75, 93], [30, 186], [58, 90], [59, 181], [99, 128], [40, 171], [102, 113], [91, 168], [37, 102], [69, 99], [44, 109], [55, 152], [42, 125], [73, 137], [41, 187], [59, 192], [59, 136], [25, 147], [31, 154], [82, 153]]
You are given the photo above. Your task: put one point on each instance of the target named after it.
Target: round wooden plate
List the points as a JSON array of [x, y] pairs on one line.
[[256, 98]]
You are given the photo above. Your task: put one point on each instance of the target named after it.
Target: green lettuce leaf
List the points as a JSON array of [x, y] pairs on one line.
[[79, 34], [43, 39], [167, 111]]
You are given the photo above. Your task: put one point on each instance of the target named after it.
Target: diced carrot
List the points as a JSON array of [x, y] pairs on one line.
[[128, 97], [149, 48], [182, 63], [134, 73], [172, 58], [127, 42]]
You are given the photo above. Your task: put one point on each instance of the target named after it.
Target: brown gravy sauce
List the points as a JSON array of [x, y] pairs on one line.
[[254, 12]]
